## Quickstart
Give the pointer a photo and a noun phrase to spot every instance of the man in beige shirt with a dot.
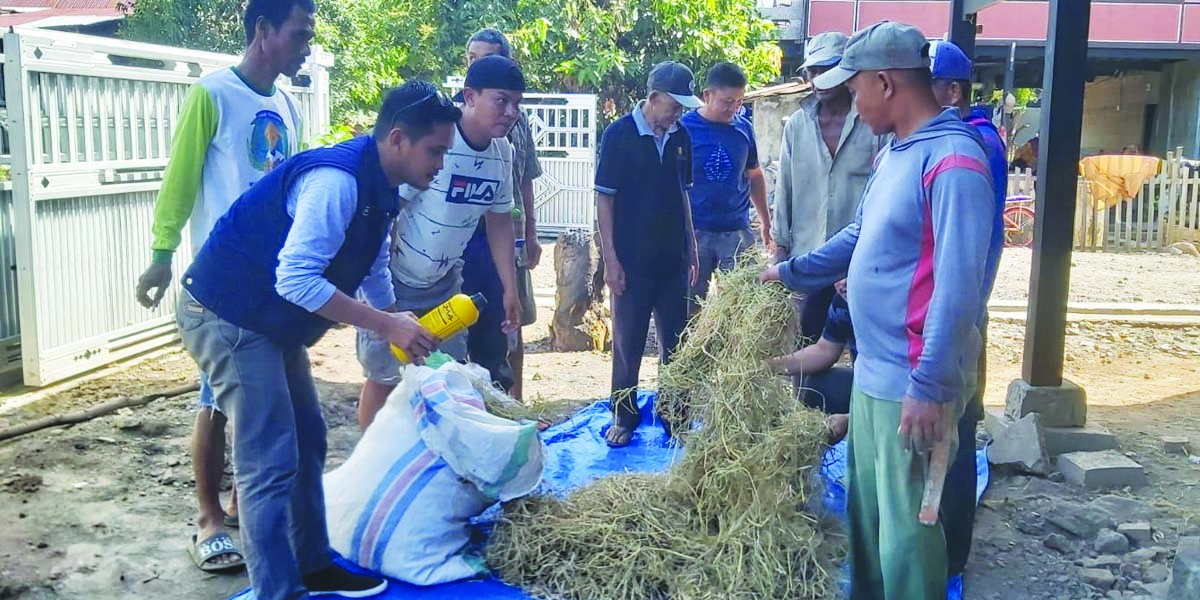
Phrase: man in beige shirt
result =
(824, 162)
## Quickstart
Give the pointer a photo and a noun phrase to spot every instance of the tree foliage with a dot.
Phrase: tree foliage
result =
(600, 46)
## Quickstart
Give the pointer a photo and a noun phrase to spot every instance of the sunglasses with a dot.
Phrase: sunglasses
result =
(442, 102)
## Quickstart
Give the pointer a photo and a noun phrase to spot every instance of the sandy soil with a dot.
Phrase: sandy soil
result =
(104, 509)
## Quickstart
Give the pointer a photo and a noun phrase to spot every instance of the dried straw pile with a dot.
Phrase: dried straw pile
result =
(728, 520)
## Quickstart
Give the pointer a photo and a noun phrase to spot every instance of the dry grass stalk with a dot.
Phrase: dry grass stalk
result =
(728, 521)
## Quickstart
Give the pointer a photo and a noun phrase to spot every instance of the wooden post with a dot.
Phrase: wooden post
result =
(1058, 168)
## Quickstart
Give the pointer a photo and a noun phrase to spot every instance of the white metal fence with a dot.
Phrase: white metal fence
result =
(564, 132)
(89, 124)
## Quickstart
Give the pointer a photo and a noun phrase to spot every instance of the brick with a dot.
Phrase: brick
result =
(1089, 438)
(1061, 406)
(1101, 470)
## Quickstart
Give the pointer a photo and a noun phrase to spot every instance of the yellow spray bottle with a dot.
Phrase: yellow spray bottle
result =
(451, 317)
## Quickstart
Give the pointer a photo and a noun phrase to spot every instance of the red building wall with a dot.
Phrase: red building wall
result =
(1150, 23)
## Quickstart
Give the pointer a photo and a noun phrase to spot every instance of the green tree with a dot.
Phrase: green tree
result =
(600, 46)
(210, 25)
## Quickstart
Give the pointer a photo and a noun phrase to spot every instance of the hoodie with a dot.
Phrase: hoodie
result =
(915, 258)
(998, 163)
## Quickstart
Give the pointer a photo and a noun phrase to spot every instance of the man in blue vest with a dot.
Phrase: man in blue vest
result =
(278, 270)
(951, 71)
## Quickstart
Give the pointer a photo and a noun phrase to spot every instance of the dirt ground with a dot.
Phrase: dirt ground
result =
(104, 509)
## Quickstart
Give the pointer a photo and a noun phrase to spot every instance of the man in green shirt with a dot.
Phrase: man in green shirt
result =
(233, 128)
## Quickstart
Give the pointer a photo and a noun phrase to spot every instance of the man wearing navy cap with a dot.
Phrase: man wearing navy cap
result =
(649, 245)
(952, 87)
(434, 225)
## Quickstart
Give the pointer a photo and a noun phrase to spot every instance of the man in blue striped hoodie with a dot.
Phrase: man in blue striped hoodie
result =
(917, 251)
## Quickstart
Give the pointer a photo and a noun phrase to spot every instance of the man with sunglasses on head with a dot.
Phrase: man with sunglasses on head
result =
(435, 225)
(278, 270)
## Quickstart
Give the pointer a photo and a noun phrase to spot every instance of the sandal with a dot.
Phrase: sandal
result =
(216, 546)
(626, 419)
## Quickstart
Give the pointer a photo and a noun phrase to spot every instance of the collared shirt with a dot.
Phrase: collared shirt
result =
(817, 193)
(648, 182)
(644, 128)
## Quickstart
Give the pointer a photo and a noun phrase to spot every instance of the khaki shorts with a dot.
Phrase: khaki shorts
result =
(375, 354)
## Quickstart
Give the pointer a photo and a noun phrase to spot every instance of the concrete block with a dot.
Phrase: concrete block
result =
(1139, 533)
(1176, 445)
(1101, 470)
(1061, 406)
(1185, 579)
(1089, 438)
(995, 421)
(1021, 446)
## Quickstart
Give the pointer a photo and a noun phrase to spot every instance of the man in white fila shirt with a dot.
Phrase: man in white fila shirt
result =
(235, 126)
(435, 225)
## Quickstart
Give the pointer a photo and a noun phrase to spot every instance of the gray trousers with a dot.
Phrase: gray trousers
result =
(269, 396)
(718, 251)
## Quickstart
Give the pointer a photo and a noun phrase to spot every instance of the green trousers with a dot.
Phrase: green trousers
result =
(892, 556)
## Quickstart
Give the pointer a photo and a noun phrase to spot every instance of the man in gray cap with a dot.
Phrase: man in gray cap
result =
(647, 239)
(915, 260)
(824, 162)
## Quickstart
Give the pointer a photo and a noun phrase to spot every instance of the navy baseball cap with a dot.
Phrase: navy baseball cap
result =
(948, 61)
(676, 80)
(496, 73)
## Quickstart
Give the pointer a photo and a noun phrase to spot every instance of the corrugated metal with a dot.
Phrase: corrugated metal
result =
(10, 319)
(91, 136)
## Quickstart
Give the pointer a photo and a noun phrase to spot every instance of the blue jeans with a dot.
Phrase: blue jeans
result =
(269, 396)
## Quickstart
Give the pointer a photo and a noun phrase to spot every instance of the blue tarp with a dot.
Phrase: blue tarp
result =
(577, 454)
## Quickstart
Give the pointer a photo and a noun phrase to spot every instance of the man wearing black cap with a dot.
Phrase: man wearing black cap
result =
(649, 246)
(435, 225)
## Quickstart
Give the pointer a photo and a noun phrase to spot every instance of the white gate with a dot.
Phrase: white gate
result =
(90, 122)
(564, 132)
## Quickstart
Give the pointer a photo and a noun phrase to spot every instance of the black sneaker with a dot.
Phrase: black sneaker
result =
(336, 581)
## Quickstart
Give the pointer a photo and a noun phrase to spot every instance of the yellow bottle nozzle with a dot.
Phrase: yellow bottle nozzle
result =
(447, 320)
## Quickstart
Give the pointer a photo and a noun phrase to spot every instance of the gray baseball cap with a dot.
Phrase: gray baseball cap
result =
(881, 47)
(824, 49)
(676, 80)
